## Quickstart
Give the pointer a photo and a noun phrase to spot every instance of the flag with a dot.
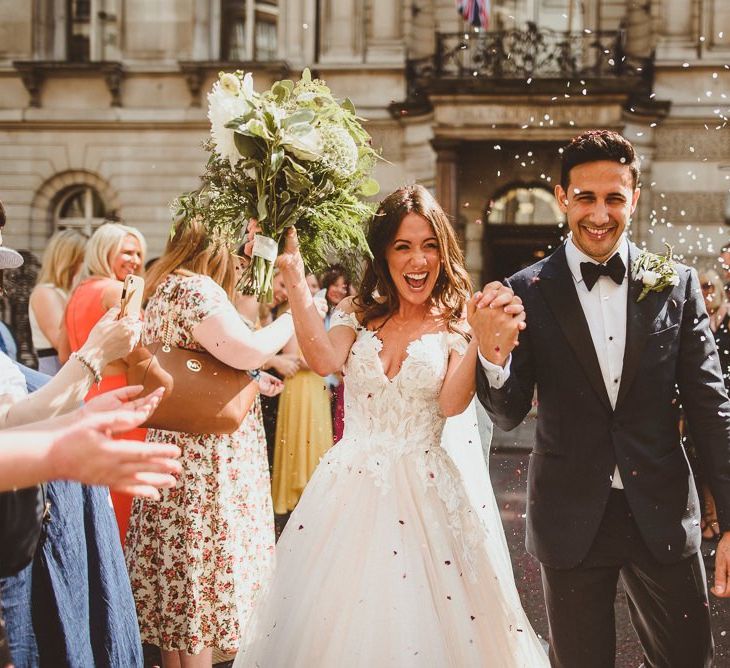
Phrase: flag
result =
(475, 12)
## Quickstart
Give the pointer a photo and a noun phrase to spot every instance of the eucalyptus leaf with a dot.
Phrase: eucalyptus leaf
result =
(299, 129)
(262, 211)
(246, 146)
(271, 123)
(257, 128)
(277, 158)
(295, 181)
(369, 187)
(296, 166)
(349, 106)
(302, 116)
(280, 92)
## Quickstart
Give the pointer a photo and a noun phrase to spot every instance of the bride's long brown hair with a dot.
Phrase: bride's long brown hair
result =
(378, 296)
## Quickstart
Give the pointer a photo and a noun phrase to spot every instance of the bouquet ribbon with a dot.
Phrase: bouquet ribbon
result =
(265, 247)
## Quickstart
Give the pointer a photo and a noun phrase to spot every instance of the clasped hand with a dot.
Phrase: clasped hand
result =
(496, 316)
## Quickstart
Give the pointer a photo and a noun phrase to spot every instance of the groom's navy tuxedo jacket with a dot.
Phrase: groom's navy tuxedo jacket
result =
(670, 357)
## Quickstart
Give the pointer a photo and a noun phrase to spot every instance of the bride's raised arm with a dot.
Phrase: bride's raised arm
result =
(460, 382)
(325, 352)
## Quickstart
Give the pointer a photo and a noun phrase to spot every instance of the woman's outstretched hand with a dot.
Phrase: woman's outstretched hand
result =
(85, 451)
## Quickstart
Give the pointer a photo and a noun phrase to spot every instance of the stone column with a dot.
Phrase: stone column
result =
(297, 30)
(250, 28)
(60, 42)
(201, 48)
(677, 38)
(341, 32)
(385, 34)
(447, 184)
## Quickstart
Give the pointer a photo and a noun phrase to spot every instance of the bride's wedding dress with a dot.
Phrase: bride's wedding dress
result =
(392, 558)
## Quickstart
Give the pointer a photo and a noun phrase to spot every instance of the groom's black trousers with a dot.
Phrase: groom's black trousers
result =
(667, 603)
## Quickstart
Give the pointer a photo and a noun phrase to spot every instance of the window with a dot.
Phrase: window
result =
(525, 206)
(78, 30)
(249, 30)
(80, 208)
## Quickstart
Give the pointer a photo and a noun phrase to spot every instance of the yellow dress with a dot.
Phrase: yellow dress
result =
(303, 435)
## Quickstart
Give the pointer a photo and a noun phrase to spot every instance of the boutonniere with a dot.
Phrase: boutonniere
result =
(656, 272)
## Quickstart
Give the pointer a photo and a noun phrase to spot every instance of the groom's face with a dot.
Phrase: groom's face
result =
(598, 204)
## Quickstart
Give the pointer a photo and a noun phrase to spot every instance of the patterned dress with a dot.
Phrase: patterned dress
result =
(198, 556)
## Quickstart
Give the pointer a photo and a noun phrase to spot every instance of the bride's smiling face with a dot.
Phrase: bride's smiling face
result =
(414, 259)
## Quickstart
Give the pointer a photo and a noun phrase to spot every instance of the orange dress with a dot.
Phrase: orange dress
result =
(83, 311)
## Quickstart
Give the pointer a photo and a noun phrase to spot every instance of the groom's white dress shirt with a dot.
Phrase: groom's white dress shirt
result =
(604, 308)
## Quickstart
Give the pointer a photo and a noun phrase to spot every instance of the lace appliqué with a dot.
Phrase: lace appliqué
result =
(339, 317)
(392, 419)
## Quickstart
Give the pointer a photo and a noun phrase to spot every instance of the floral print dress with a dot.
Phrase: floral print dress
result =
(199, 555)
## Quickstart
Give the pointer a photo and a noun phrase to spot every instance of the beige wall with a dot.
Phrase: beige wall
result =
(148, 150)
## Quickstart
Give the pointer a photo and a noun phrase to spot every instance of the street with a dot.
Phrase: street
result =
(508, 470)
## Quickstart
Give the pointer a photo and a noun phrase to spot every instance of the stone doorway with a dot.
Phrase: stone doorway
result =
(522, 225)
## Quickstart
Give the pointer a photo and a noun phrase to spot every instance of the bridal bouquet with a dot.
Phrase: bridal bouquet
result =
(292, 155)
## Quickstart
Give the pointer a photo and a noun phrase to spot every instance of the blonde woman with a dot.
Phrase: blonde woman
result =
(61, 262)
(113, 252)
(197, 557)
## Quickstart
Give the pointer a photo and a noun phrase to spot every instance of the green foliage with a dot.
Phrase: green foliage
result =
(292, 155)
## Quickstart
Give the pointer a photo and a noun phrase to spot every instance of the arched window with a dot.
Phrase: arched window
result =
(80, 207)
(524, 205)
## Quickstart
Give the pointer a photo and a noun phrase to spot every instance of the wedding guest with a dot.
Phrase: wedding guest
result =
(313, 283)
(303, 432)
(283, 365)
(113, 252)
(718, 310)
(197, 556)
(61, 262)
(253, 425)
(72, 605)
(336, 285)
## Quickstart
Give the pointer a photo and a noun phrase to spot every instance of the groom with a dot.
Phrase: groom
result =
(610, 494)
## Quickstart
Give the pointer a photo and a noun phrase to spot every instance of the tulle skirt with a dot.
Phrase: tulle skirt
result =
(385, 562)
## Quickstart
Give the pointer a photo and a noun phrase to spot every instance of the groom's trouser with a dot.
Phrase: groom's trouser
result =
(667, 603)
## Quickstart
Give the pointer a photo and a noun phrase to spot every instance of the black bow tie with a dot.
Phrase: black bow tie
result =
(614, 268)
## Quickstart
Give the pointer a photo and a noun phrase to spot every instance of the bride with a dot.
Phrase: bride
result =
(386, 561)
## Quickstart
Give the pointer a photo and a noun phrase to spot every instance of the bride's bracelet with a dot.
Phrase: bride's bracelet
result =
(94, 371)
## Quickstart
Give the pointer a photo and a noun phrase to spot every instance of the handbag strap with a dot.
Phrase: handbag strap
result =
(170, 311)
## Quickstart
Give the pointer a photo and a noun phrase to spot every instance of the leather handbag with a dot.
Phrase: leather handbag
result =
(202, 394)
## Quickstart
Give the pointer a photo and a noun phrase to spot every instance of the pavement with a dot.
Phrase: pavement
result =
(508, 470)
(508, 461)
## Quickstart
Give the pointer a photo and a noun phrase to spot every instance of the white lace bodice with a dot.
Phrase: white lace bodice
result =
(402, 411)
(388, 420)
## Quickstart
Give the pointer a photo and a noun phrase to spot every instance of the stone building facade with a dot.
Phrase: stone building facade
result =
(103, 109)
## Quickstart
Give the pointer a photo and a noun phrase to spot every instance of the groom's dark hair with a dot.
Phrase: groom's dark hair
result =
(596, 145)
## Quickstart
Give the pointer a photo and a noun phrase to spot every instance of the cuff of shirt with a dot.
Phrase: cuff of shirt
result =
(496, 375)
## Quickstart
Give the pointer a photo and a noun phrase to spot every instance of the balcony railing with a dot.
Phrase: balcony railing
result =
(527, 55)
(532, 52)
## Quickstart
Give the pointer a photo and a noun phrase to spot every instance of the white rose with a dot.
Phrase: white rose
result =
(649, 278)
(222, 109)
(674, 280)
(230, 83)
(304, 147)
(247, 86)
